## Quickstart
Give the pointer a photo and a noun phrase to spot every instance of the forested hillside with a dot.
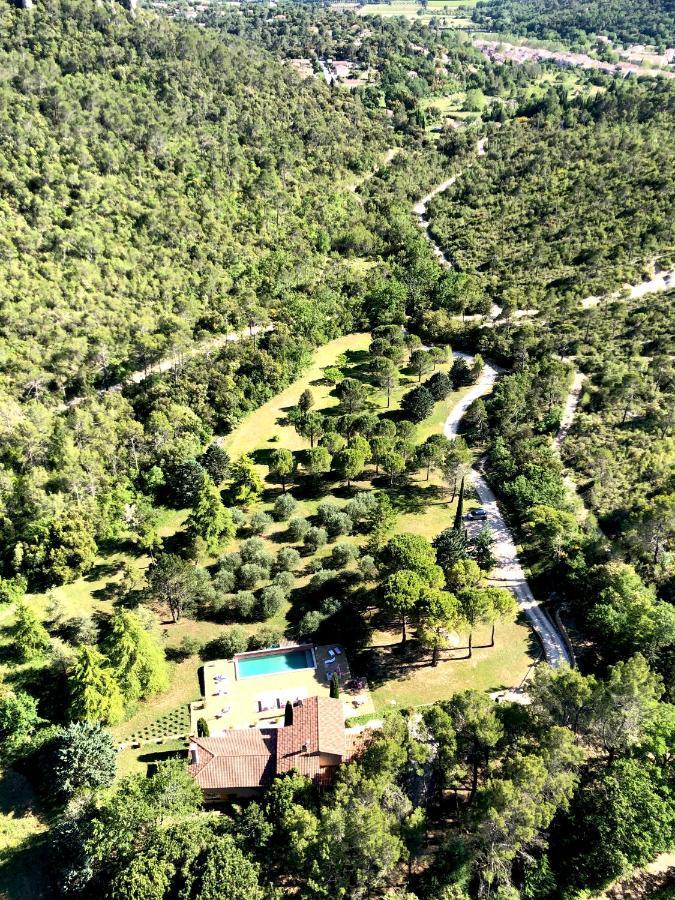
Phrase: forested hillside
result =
(627, 21)
(571, 199)
(156, 183)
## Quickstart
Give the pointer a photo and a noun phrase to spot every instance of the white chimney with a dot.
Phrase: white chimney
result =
(194, 754)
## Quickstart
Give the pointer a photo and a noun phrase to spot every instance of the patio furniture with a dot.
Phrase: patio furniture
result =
(336, 650)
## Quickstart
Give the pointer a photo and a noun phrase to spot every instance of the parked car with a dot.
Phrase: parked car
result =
(478, 513)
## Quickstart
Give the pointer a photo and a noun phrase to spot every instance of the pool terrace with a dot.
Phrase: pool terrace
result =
(258, 701)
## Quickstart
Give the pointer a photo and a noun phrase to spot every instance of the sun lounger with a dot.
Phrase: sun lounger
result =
(336, 651)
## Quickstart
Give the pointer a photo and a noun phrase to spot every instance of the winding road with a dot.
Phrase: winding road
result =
(507, 572)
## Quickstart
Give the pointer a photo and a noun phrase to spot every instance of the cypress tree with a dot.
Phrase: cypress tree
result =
(460, 508)
(288, 713)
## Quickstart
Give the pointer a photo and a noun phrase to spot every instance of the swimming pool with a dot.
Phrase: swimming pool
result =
(274, 662)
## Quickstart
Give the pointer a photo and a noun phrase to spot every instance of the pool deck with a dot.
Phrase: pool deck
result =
(230, 702)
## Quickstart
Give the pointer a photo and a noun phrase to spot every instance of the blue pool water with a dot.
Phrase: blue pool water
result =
(273, 663)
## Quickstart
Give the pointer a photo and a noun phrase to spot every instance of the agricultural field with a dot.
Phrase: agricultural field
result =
(452, 13)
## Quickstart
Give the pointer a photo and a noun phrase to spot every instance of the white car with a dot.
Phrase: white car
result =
(478, 513)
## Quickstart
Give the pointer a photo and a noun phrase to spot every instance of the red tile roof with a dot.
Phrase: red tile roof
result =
(318, 728)
(238, 759)
(252, 757)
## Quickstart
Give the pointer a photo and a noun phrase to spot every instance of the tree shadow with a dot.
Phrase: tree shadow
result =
(109, 592)
(101, 570)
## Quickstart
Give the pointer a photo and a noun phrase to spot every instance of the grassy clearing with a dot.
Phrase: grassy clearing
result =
(141, 760)
(266, 424)
(21, 828)
(400, 681)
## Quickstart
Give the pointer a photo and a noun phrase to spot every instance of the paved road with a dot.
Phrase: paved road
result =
(507, 572)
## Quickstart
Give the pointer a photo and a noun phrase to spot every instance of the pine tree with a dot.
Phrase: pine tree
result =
(335, 686)
(30, 636)
(95, 695)
(209, 519)
(136, 657)
(459, 513)
(288, 713)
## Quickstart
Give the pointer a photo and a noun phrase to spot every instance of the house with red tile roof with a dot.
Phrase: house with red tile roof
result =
(244, 761)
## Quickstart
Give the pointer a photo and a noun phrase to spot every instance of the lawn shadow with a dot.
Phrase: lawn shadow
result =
(412, 497)
(109, 592)
(101, 570)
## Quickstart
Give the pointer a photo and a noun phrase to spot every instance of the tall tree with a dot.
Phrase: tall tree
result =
(136, 657)
(94, 694)
(402, 591)
(209, 520)
(282, 465)
(84, 759)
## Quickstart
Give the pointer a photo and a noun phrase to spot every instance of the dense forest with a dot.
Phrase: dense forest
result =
(625, 21)
(164, 184)
(570, 199)
(156, 189)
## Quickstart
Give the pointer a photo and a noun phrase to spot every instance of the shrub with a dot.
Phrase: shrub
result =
(203, 728)
(259, 522)
(234, 640)
(238, 516)
(334, 519)
(250, 574)
(285, 581)
(284, 507)
(342, 555)
(231, 562)
(224, 581)
(310, 623)
(254, 550)
(361, 507)
(315, 538)
(331, 606)
(367, 568)
(189, 646)
(266, 637)
(335, 686)
(297, 529)
(271, 599)
(244, 604)
(321, 578)
(287, 559)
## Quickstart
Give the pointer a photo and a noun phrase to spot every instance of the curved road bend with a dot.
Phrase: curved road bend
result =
(508, 572)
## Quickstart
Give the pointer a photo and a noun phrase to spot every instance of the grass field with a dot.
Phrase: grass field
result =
(21, 829)
(398, 681)
(450, 10)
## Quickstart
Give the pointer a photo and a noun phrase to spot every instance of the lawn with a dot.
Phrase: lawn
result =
(403, 680)
(21, 828)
